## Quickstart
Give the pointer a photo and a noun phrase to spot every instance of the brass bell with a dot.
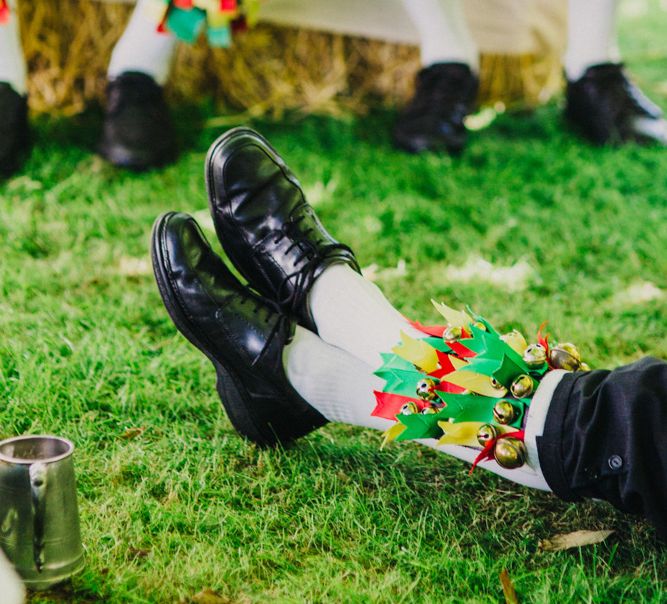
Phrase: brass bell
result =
(480, 325)
(535, 356)
(486, 434)
(451, 334)
(409, 408)
(565, 356)
(496, 384)
(522, 386)
(504, 412)
(429, 410)
(510, 453)
(426, 389)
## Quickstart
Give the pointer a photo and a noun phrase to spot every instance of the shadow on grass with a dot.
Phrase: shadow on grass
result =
(420, 479)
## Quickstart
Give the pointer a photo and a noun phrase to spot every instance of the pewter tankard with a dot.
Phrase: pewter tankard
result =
(39, 519)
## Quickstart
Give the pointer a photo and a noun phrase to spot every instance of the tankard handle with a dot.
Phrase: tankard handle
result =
(38, 496)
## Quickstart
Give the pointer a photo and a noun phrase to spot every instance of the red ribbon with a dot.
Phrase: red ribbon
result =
(543, 340)
(4, 11)
(430, 330)
(389, 405)
(460, 350)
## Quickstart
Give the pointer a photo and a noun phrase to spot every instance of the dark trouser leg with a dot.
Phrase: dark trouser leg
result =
(604, 438)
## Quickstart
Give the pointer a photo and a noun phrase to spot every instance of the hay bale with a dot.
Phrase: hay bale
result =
(270, 69)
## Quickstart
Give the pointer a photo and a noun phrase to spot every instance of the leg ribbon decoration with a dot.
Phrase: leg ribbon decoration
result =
(186, 19)
(466, 384)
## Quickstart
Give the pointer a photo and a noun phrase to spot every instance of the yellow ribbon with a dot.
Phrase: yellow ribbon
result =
(465, 433)
(454, 318)
(393, 433)
(417, 352)
(475, 382)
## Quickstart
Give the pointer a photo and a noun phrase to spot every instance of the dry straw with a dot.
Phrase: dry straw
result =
(270, 69)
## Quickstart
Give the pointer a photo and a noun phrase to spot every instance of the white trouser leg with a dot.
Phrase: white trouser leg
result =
(443, 32)
(142, 48)
(12, 62)
(591, 35)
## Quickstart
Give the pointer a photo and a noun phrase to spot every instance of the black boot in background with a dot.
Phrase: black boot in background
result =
(137, 133)
(606, 107)
(433, 120)
(14, 134)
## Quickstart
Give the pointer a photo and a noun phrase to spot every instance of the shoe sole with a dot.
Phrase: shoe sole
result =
(122, 158)
(233, 395)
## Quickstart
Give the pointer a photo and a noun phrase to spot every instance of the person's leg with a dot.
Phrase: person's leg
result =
(337, 384)
(591, 36)
(602, 103)
(341, 386)
(603, 438)
(277, 381)
(13, 99)
(142, 48)
(444, 35)
(352, 313)
(446, 87)
(12, 62)
(586, 434)
(137, 131)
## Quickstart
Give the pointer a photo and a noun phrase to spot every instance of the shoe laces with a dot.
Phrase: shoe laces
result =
(258, 304)
(292, 287)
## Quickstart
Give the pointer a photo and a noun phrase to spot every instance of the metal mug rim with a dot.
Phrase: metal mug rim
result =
(19, 460)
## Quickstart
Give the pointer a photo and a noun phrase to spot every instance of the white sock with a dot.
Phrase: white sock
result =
(443, 32)
(337, 384)
(591, 36)
(352, 313)
(340, 387)
(142, 48)
(12, 62)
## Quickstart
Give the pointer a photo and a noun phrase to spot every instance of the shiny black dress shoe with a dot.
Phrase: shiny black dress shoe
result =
(606, 107)
(137, 132)
(433, 120)
(265, 224)
(14, 134)
(241, 334)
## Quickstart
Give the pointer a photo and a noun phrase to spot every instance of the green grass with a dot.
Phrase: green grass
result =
(87, 351)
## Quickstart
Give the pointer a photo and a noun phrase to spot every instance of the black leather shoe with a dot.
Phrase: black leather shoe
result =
(14, 134)
(265, 224)
(137, 132)
(606, 107)
(241, 334)
(433, 120)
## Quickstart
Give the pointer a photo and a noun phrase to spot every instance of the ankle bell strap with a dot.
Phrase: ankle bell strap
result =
(466, 384)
